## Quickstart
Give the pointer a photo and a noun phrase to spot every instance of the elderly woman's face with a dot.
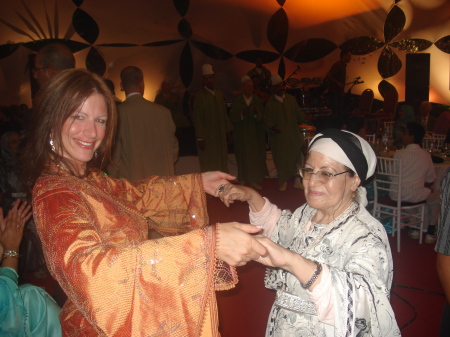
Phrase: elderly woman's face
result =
(337, 192)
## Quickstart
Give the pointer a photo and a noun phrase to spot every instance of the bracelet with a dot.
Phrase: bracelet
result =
(314, 276)
(10, 253)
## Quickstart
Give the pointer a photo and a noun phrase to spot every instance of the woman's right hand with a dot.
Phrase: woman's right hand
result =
(11, 227)
(236, 246)
(233, 192)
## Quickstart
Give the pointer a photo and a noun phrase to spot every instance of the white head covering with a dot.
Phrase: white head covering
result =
(245, 78)
(276, 79)
(348, 149)
(207, 69)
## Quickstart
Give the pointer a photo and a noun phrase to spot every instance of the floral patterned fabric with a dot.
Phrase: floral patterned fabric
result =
(356, 250)
(94, 233)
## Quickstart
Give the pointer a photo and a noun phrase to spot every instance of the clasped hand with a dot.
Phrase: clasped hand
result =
(236, 247)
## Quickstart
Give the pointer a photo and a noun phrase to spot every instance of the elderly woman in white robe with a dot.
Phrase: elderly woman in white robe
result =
(330, 260)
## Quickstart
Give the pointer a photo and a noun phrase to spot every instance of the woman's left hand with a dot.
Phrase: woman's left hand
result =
(213, 180)
(278, 256)
(11, 227)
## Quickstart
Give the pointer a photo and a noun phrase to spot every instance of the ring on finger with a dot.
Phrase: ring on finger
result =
(221, 188)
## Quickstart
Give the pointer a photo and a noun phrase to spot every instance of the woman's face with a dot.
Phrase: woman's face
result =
(334, 195)
(83, 132)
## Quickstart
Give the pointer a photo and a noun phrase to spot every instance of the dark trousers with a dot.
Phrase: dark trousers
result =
(445, 321)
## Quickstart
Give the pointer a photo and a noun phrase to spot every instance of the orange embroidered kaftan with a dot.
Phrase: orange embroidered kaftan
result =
(94, 234)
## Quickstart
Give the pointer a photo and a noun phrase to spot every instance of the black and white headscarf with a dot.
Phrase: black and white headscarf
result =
(348, 149)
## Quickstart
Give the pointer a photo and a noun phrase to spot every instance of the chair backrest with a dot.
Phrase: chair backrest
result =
(365, 101)
(389, 128)
(388, 177)
(371, 138)
(438, 141)
(390, 102)
(427, 143)
(434, 143)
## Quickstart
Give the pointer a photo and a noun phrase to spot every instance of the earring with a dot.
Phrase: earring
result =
(95, 154)
(52, 144)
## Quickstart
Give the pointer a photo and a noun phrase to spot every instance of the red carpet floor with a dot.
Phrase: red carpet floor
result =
(243, 311)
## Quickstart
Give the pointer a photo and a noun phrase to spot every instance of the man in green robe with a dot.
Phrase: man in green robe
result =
(211, 124)
(282, 116)
(249, 135)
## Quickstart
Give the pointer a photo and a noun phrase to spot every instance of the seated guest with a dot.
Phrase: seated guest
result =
(405, 114)
(442, 125)
(424, 117)
(25, 310)
(418, 176)
(330, 260)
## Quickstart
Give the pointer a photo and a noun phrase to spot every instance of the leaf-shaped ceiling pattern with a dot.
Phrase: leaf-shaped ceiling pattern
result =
(310, 50)
(385, 88)
(117, 45)
(95, 62)
(252, 55)
(443, 44)
(281, 2)
(282, 68)
(277, 30)
(181, 6)
(212, 51)
(74, 46)
(412, 45)
(389, 63)
(77, 3)
(362, 45)
(161, 43)
(184, 28)
(186, 65)
(395, 21)
(85, 26)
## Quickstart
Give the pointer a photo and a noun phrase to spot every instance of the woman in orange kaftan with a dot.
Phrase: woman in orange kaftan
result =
(94, 229)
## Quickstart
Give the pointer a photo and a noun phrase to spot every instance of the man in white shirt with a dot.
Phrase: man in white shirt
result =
(418, 176)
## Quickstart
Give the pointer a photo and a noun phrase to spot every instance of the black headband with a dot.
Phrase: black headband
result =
(351, 147)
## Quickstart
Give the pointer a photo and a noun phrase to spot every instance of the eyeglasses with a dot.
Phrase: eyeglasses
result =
(322, 176)
(35, 70)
